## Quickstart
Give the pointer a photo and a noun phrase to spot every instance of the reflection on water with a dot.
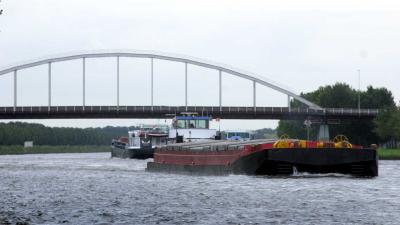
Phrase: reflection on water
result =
(95, 189)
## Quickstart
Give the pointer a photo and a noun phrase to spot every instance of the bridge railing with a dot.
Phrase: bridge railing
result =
(349, 111)
(179, 109)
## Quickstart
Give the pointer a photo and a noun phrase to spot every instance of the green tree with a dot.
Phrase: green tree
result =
(388, 125)
(267, 133)
(15, 133)
(341, 95)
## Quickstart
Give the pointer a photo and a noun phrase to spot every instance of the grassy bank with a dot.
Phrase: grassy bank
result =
(390, 154)
(16, 149)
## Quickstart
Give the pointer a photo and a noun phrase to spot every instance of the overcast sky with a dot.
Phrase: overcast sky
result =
(300, 44)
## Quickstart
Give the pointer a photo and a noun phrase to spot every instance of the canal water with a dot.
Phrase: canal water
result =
(95, 189)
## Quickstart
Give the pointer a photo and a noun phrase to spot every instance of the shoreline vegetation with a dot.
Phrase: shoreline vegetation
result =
(44, 149)
(389, 154)
(384, 154)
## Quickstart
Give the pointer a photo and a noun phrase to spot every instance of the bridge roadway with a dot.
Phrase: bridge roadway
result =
(154, 112)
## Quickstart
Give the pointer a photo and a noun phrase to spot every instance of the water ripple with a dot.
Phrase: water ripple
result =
(95, 189)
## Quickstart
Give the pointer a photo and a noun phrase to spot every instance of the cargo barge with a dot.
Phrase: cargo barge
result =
(266, 157)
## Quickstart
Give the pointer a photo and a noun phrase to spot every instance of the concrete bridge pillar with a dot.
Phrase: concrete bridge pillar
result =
(323, 134)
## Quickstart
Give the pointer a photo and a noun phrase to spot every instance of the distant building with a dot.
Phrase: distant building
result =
(28, 144)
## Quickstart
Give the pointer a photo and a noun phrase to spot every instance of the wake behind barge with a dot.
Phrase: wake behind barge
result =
(265, 157)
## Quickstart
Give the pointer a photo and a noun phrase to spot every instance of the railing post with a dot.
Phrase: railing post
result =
(49, 88)
(15, 90)
(288, 102)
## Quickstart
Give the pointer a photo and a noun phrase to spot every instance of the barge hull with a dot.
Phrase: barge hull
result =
(132, 153)
(356, 162)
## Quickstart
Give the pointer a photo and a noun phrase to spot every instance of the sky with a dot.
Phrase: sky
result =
(300, 44)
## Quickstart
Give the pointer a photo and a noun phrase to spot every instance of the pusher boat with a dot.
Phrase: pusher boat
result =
(140, 144)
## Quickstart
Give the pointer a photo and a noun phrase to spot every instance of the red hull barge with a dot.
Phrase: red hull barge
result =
(264, 157)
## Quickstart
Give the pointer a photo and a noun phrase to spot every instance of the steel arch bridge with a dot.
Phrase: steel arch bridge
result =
(152, 111)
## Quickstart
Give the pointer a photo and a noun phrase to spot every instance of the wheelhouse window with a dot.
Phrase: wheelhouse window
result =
(201, 124)
(229, 134)
(181, 124)
(244, 135)
(191, 123)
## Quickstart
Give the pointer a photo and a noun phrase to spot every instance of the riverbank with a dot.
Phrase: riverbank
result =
(43, 149)
(389, 154)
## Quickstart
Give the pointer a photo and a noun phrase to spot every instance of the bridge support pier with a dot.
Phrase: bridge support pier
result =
(323, 133)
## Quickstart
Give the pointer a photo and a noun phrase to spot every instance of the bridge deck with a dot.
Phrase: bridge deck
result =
(148, 112)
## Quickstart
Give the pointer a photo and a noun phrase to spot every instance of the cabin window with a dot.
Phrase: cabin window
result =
(202, 124)
(245, 135)
(181, 124)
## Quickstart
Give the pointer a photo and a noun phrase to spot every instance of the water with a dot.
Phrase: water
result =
(94, 189)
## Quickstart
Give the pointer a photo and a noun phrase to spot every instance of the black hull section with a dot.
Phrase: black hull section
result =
(356, 162)
(132, 153)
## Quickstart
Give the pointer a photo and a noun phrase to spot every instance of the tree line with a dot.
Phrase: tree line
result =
(340, 95)
(16, 133)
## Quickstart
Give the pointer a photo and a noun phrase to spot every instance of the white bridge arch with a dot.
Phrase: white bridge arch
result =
(151, 55)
